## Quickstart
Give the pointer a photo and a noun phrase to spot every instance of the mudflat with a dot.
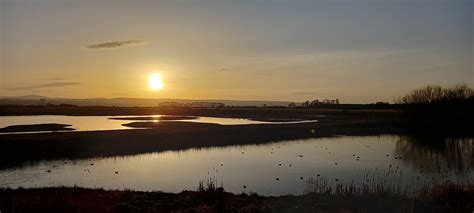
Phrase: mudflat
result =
(36, 128)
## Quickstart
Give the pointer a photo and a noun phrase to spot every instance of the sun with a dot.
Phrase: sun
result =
(155, 82)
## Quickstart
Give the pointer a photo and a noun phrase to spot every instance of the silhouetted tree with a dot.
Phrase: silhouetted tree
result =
(440, 109)
(438, 94)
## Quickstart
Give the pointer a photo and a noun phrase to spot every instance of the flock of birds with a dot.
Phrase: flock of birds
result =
(318, 175)
(271, 152)
(74, 163)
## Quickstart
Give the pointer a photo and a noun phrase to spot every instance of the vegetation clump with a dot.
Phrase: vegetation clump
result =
(436, 94)
(439, 109)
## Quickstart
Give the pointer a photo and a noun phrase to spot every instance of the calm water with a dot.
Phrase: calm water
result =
(93, 123)
(257, 167)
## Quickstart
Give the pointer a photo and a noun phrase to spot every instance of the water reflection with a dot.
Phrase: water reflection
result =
(436, 154)
(96, 123)
(272, 169)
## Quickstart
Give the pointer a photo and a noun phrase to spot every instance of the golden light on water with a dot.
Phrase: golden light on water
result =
(155, 82)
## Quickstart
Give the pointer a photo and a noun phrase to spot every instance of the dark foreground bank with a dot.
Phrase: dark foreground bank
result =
(445, 198)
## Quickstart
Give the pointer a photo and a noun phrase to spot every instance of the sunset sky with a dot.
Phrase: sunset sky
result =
(356, 50)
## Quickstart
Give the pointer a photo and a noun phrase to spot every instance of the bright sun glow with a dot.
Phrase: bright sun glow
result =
(155, 82)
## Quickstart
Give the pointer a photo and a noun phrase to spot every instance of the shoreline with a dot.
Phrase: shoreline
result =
(440, 198)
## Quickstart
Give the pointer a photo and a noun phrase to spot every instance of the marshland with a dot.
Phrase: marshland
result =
(236, 106)
(347, 153)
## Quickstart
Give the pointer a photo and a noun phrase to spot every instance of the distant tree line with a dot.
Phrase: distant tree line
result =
(318, 102)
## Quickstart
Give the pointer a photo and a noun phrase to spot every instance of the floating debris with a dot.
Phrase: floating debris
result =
(301, 178)
(245, 186)
(277, 179)
(116, 172)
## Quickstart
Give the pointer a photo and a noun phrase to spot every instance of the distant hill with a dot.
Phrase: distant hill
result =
(124, 102)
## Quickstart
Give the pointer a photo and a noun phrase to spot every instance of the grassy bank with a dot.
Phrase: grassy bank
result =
(440, 198)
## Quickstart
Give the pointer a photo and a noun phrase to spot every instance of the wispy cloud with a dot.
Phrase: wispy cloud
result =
(114, 44)
(306, 93)
(48, 85)
(52, 79)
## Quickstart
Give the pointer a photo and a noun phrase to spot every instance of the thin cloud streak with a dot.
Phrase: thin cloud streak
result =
(114, 44)
(52, 79)
(48, 85)
(306, 93)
